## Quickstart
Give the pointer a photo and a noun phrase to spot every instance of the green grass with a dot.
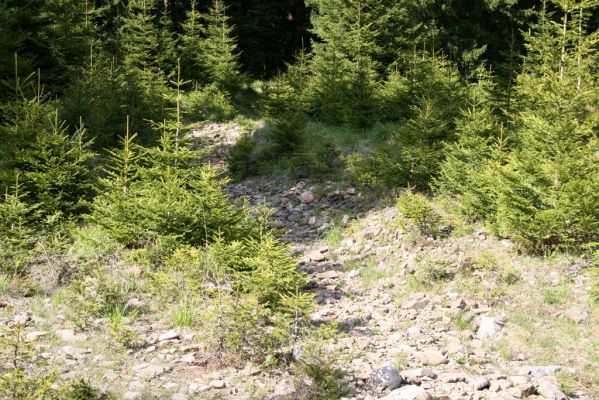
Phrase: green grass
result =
(557, 295)
(461, 321)
(371, 272)
(333, 237)
(5, 284)
(186, 313)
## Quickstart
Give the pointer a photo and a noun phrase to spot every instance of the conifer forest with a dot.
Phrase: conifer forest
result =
(299, 199)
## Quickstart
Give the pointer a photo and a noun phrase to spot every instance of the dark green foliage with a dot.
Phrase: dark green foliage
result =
(220, 58)
(344, 81)
(378, 170)
(150, 193)
(190, 41)
(208, 103)
(102, 94)
(241, 156)
(55, 167)
(466, 172)
(140, 44)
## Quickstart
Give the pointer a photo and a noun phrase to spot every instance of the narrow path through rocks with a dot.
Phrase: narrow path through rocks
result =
(397, 343)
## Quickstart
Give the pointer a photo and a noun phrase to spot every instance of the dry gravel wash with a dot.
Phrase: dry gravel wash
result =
(400, 341)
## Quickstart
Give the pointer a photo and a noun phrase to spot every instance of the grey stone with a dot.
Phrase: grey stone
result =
(409, 392)
(480, 383)
(387, 377)
(416, 375)
(169, 335)
(488, 328)
(433, 358)
(577, 313)
(549, 391)
(306, 197)
(218, 384)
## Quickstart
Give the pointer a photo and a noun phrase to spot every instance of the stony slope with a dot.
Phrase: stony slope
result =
(464, 317)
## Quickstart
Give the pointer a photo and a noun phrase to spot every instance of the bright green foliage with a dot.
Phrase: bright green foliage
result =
(324, 376)
(219, 51)
(344, 80)
(161, 192)
(547, 191)
(420, 211)
(466, 172)
(378, 170)
(55, 167)
(166, 55)
(99, 295)
(287, 107)
(57, 172)
(83, 390)
(17, 382)
(16, 232)
(395, 97)
(431, 270)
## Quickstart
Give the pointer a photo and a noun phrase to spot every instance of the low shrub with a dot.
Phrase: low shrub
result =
(431, 270)
(208, 103)
(419, 211)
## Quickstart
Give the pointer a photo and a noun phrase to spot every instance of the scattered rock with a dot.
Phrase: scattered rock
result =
(306, 197)
(550, 391)
(136, 304)
(415, 304)
(169, 335)
(488, 328)
(542, 370)
(33, 336)
(218, 384)
(433, 358)
(329, 275)
(74, 352)
(66, 335)
(318, 255)
(148, 371)
(387, 378)
(480, 383)
(452, 377)
(577, 313)
(188, 358)
(410, 392)
(416, 375)
(21, 318)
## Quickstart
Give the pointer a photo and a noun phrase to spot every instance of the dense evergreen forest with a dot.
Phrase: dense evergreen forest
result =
(465, 113)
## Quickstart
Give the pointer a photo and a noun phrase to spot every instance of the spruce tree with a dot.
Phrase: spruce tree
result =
(139, 41)
(167, 43)
(345, 80)
(437, 91)
(466, 172)
(547, 191)
(219, 56)
(190, 45)
(17, 231)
